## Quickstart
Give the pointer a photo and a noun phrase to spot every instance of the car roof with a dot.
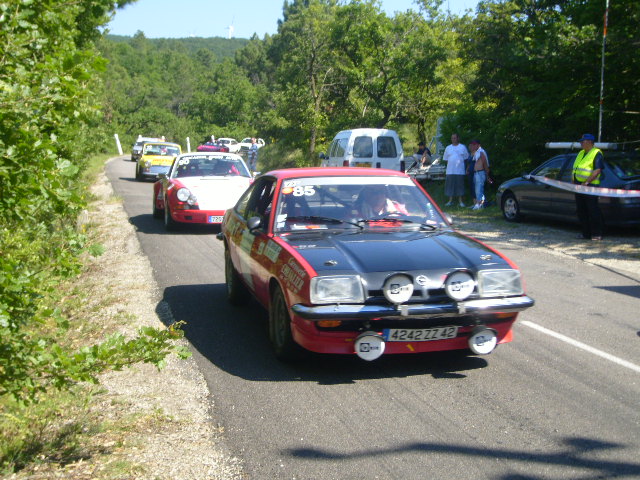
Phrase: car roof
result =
(334, 172)
(169, 144)
(366, 131)
(223, 155)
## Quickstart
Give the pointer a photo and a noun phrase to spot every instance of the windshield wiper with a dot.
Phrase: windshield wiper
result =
(396, 219)
(321, 219)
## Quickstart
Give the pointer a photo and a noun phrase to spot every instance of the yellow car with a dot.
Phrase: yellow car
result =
(156, 158)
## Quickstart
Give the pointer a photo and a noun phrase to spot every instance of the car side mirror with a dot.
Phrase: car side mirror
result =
(253, 223)
(162, 176)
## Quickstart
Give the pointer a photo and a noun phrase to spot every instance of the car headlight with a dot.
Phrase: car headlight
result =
(459, 285)
(499, 283)
(185, 195)
(337, 289)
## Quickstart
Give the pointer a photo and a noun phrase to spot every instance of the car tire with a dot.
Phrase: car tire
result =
(170, 224)
(138, 174)
(284, 346)
(511, 208)
(237, 292)
(157, 213)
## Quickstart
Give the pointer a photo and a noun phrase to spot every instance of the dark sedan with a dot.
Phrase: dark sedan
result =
(362, 261)
(528, 196)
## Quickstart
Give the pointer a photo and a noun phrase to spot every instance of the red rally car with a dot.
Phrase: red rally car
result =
(362, 261)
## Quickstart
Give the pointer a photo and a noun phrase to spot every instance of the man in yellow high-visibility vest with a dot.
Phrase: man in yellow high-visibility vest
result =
(586, 171)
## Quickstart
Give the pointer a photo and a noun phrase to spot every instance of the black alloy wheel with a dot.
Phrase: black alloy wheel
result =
(170, 224)
(237, 292)
(157, 213)
(284, 346)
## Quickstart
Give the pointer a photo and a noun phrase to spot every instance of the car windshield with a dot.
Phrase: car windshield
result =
(319, 203)
(202, 166)
(154, 149)
(624, 164)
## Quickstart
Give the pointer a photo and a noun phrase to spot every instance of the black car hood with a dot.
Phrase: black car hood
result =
(395, 251)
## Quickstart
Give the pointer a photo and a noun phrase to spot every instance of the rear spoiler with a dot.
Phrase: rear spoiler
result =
(576, 145)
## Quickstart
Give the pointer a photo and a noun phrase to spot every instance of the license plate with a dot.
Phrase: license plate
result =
(215, 219)
(419, 334)
(363, 164)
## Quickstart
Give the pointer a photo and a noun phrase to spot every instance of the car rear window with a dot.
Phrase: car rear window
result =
(387, 147)
(363, 147)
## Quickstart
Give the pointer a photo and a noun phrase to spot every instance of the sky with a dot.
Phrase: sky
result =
(215, 18)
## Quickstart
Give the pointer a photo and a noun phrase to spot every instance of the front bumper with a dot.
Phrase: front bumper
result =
(154, 170)
(208, 217)
(452, 309)
(498, 314)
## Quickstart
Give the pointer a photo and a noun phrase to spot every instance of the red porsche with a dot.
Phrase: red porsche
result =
(199, 187)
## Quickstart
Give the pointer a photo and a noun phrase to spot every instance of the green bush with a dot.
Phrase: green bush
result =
(50, 123)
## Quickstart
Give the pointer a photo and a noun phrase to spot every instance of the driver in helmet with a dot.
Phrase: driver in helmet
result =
(372, 201)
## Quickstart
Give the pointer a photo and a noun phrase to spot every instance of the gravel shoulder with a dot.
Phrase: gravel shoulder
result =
(176, 437)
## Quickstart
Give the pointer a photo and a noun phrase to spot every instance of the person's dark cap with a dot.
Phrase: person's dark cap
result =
(474, 141)
(587, 136)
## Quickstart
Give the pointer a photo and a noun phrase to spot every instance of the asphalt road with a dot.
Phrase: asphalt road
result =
(562, 401)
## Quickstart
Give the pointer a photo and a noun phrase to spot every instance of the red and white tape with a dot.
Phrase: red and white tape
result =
(587, 190)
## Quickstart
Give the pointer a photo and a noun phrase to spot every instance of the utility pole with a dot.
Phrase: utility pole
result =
(604, 42)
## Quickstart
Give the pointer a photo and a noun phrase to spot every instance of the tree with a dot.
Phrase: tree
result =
(305, 70)
(538, 75)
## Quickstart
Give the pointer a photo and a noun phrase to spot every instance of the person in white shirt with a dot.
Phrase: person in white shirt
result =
(455, 155)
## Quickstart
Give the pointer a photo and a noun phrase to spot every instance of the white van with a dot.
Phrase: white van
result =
(365, 147)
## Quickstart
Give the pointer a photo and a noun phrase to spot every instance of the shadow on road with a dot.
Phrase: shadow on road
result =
(578, 454)
(149, 225)
(629, 290)
(236, 340)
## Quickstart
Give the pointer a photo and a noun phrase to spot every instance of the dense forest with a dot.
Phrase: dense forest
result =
(515, 74)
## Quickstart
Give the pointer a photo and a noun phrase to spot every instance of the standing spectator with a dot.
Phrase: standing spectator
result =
(468, 170)
(455, 155)
(586, 171)
(480, 165)
(253, 155)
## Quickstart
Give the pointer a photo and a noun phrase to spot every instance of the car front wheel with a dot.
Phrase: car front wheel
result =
(169, 223)
(511, 208)
(157, 213)
(280, 328)
(237, 293)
